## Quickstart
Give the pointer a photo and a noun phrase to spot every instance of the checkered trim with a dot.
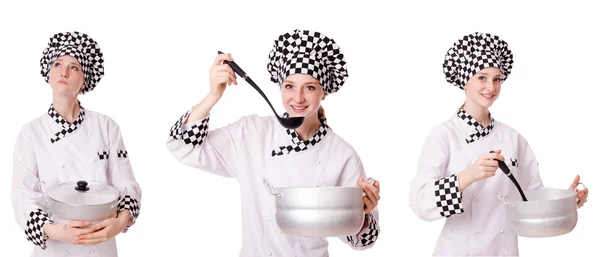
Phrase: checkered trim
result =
(121, 154)
(480, 131)
(131, 204)
(103, 155)
(67, 127)
(195, 135)
(448, 197)
(366, 238)
(514, 162)
(473, 53)
(311, 53)
(300, 145)
(35, 228)
(81, 47)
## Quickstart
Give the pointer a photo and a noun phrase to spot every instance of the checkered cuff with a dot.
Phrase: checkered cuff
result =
(448, 197)
(131, 204)
(367, 236)
(194, 135)
(35, 228)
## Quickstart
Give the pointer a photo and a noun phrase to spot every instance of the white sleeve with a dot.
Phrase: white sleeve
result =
(121, 174)
(214, 151)
(433, 194)
(366, 238)
(529, 175)
(28, 201)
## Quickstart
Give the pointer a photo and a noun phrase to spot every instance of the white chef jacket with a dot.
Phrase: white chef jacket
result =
(94, 151)
(475, 222)
(253, 148)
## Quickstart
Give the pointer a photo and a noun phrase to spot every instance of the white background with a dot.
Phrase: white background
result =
(157, 59)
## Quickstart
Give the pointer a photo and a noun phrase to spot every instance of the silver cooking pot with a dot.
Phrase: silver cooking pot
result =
(81, 200)
(318, 211)
(547, 212)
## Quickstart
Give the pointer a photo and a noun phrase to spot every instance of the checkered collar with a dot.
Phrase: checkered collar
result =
(67, 127)
(298, 145)
(478, 130)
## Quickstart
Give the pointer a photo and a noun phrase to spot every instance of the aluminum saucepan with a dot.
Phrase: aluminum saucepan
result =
(547, 212)
(81, 200)
(318, 211)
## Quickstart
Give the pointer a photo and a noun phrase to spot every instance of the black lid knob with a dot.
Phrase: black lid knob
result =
(82, 186)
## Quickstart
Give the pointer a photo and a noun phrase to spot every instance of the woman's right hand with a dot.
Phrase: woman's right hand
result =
(221, 75)
(484, 167)
(67, 232)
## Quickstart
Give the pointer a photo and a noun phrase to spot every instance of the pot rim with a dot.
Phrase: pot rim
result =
(109, 187)
(324, 187)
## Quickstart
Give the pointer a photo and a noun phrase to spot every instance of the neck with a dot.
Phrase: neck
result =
(478, 112)
(68, 108)
(309, 127)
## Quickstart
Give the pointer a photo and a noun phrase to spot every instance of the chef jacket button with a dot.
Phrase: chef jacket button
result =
(318, 162)
(66, 253)
(268, 218)
(476, 232)
(92, 251)
(501, 231)
(269, 253)
(476, 198)
(89, 134)
(62, 166)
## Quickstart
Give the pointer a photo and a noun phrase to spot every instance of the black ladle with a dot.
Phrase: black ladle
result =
(286, 122)
(506, 171)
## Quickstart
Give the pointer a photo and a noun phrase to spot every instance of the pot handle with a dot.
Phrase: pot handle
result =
(504, 201)
(270, 188)
(43, 189)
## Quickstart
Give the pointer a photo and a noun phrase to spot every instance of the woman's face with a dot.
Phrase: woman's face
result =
(301, 95)
(66, 76)
(484, 87)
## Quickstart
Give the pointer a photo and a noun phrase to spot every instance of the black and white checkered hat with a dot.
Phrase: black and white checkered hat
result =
(311, 53)
(81, 47)
(473, 53)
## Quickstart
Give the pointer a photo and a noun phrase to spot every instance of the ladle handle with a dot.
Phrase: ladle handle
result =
(502, 165)
(237, 69)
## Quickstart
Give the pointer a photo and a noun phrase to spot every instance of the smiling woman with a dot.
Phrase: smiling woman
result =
(307, 66)
(70, 146)
(455, 177)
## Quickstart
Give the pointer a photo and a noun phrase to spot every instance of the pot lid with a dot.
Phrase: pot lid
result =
(83, 193)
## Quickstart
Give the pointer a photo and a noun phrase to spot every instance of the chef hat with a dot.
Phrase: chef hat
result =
(311, 53)
(81, 47)
(473, 53)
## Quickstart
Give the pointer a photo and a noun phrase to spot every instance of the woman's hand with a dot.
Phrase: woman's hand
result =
(484, 167)
(221, 75)
(581, 194)
(67, 232)
(371, 190)
(106, 229)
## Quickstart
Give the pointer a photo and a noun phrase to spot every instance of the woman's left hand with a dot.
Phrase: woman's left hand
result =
(581, 194)
(371, 190)
(106, 229)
